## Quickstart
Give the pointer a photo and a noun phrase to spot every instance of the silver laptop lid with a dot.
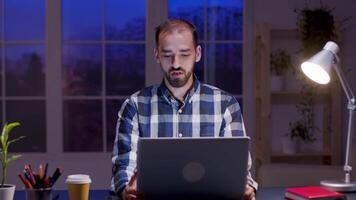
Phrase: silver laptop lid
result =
(192, 168)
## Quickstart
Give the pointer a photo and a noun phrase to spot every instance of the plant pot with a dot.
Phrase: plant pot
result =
(289, 146)
(277, 83)
(7, 192)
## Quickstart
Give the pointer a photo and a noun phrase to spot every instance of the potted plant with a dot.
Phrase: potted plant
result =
(280, 63)
(316, 27)
(7, 190)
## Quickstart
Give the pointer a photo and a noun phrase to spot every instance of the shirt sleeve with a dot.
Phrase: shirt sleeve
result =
(125, 146)
(233, 125)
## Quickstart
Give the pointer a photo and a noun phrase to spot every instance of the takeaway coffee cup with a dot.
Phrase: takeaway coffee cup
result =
(78, 186)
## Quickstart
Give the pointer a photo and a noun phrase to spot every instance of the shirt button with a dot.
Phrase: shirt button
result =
(180, 111)
(180, 135)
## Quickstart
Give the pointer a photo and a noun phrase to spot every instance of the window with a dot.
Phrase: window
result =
(23, 66)
(103, 63)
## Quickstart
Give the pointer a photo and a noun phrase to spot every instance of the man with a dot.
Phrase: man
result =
(180, 106)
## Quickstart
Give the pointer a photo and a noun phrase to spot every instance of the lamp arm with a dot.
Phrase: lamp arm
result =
(345, 86)
(351, 107)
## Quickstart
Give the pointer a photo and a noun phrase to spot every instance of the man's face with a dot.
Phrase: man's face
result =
(176, 54)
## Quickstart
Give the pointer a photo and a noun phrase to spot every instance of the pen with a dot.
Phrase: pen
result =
(30, 174)
(40, 171)
(25, 182)
(55, 176)
(45, 170)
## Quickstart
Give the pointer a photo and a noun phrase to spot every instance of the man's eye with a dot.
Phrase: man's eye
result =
(185, 55)
(167, 55)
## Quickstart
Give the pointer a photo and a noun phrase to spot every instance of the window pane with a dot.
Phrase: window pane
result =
(225, 67)
(112, 110)
(81, 19)
(82, 126)
(193, 11)
(32, 116)
(25, 20)
(1, 16)
(225, 19)
(125, 72)
(82, 70)
(24, 69)
(125, 20)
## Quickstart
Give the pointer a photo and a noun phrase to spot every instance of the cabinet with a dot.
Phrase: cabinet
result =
(266, 101)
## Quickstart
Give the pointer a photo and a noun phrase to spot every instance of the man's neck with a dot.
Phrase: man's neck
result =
(180, 93)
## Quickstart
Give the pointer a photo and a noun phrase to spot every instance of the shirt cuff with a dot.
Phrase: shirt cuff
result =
(252, 183)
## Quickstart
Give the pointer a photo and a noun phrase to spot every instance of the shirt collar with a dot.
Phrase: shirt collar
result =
(166, 94)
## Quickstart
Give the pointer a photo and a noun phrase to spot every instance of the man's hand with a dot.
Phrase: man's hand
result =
(130, 191)
(249, 193)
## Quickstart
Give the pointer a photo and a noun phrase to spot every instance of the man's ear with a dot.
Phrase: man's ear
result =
(156, 55)
(198, 53)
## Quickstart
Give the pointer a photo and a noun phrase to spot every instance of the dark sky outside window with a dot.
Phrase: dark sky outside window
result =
(85, 135)
(25, 73)
(225, 63)
(125, 72)
(1, 17)
(125, 20)
(224, 23)
(82, 69)
(123, 23)
(82, 19)
(25, 20)
(32, 118)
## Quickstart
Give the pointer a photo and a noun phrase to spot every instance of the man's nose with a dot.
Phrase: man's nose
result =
(175, 62)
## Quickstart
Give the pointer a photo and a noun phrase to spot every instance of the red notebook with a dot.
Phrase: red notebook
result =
(314, 193)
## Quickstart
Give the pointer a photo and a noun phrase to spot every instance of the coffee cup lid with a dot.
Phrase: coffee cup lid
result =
(78, 179)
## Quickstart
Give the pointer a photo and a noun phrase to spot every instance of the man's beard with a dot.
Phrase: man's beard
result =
(178, 81)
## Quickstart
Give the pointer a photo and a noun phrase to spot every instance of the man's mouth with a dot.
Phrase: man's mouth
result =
(176, 73)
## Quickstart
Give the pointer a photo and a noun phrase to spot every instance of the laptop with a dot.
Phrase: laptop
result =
(192, 168)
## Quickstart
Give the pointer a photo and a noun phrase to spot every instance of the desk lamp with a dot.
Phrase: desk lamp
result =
(318, 68)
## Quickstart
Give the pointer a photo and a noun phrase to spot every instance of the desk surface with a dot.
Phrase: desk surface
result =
(275, 193)
(63, 195)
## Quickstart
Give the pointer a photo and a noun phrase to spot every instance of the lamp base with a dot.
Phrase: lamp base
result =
(339, 185)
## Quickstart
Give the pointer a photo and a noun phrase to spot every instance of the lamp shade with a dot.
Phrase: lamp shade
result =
(318, 67)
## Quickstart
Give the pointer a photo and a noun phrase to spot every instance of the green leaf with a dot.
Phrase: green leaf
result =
(6, 130)
(10, 126)
(13, 157)
(16, 139)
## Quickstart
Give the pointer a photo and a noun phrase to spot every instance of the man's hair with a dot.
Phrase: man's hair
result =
(176, 25)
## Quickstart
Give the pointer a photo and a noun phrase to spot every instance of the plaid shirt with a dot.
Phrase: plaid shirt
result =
(153, 112)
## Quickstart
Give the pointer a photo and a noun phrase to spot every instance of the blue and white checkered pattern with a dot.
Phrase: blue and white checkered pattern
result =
(153, 112)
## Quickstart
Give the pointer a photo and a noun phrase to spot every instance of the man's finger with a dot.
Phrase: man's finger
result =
(133, 178)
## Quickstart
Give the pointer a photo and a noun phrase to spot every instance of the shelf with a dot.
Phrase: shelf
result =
(302, 158)
(305, 154)
(327, 100)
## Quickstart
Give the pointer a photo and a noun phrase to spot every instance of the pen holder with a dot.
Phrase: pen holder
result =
(38, 194)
